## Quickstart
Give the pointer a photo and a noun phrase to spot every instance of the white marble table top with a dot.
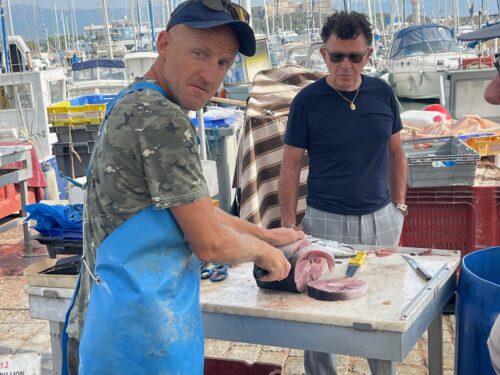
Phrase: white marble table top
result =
(392, 284)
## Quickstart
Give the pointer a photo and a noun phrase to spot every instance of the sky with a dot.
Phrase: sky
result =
(359, 5)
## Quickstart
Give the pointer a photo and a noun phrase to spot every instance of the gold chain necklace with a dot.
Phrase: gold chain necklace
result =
(352, 105)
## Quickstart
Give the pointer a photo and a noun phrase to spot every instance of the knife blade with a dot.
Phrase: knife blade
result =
(420, 271)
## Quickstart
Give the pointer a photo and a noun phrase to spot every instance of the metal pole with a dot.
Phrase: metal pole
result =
(11, 24)
(57, 29)
(64, 33)
(169, 10)
(4, 36)
(201, 134)
(266, 18)
(132, 13)
(106, 26)
(139, 22)
(382, 23)
(163, 14)
(75, 27)
(248, 6)
(152, 25)
(373, 23)
(36, 28)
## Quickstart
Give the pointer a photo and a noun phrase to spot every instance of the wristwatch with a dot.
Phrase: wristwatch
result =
(403, 208)
(293, 226)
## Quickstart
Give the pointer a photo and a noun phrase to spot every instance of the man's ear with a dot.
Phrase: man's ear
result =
(162, 42)
(369, 52)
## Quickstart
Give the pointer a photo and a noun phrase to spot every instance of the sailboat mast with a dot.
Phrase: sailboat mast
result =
(382, 23)
(152, 25)
(266, 16)
(64, 32)
(58, 43)
(444, 12)
(132, 14)
(4, 38)
(106, 29)
(139, 22)
(163, 14)
(370, 16)
(11, 24)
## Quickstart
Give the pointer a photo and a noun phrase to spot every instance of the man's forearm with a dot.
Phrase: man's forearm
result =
(398, 177)
(239, 225)
(288, 195)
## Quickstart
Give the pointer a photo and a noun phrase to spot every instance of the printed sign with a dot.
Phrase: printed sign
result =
(21, 364)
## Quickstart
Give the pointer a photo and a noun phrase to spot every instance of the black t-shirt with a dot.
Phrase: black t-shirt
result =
(348, 150)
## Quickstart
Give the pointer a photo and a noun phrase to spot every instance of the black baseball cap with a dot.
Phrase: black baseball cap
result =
(205, 14)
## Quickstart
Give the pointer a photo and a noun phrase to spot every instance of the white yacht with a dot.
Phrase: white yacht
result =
(97, 77)
(419, 55)
(138, 63)
(25, 93)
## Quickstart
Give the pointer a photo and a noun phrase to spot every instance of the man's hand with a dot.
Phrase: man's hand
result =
(283, 236)
(275, 263)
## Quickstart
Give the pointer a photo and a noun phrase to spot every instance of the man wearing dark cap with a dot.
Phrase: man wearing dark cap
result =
(148, 217)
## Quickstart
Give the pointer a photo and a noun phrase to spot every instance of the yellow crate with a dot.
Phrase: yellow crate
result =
(64, 110)
(489, 145)
(77, 121)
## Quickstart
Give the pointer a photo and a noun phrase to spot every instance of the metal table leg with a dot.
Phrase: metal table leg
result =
(23, 187)
(381, 367)
(435, 346)
(56, 329)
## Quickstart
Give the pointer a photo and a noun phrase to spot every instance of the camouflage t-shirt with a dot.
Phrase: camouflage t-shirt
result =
(147, 155)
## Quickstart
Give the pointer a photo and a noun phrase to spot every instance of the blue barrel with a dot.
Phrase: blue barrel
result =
(478, 305)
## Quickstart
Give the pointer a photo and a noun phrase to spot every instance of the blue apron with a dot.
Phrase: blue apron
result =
(144, 314)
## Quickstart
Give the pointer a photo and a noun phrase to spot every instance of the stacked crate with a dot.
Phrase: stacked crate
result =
(76, 124)
(445, 209)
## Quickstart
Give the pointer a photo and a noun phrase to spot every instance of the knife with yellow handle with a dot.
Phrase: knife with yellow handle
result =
(355, 263)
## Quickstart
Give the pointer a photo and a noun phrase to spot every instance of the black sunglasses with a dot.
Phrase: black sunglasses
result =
(497, 62)
(354, 57)
(237, 11)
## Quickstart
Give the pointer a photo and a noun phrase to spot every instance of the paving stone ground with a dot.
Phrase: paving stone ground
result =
(20, 334)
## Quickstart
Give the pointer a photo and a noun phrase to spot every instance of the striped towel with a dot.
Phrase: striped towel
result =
(261, 146)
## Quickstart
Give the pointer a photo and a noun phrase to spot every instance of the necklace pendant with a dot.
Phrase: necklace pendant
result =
(353, 106)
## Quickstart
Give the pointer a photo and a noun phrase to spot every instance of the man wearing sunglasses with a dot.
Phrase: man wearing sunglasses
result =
(349, 124)
(149, 218)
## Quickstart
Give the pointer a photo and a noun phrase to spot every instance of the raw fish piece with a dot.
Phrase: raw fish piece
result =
(337, 290)
(308, 261)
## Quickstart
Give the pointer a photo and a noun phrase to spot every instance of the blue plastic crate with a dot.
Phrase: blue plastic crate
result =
(91, 99)
(221, 123)
(66, 234)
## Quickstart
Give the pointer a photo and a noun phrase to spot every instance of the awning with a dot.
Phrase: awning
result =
(489, 32)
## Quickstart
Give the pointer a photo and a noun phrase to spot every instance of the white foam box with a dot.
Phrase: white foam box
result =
(35, 278)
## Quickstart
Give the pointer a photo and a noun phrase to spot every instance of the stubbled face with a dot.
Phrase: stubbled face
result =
(345, 75)
(192, 63)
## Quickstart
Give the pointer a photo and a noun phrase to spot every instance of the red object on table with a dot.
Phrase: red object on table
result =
(10, 198)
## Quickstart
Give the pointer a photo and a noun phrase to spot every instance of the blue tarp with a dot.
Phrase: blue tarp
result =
(98, 63)
(56, 220)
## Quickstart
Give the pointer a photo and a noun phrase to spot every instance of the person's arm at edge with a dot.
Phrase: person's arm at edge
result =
(397, 169)
(213, 241)
(492, 91)
(275, 237)
(288, 190)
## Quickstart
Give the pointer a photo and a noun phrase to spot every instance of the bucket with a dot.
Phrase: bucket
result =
(478, 305)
